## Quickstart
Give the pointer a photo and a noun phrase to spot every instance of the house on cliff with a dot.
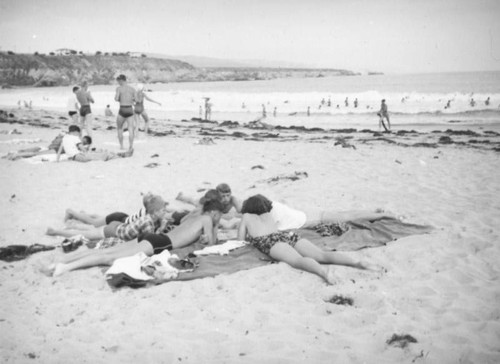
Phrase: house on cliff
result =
(65, 52)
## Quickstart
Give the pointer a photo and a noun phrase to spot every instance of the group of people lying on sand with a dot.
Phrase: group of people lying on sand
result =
(72, 146)
(263, 223)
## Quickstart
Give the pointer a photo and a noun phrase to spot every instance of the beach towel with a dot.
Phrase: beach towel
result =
(356, 235)
(39, 159)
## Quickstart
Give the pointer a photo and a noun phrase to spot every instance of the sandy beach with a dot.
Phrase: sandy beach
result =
(441, 288)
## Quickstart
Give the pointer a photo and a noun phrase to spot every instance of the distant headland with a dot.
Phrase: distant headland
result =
(67, 67)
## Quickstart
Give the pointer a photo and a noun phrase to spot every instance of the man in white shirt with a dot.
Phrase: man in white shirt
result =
(70, 142)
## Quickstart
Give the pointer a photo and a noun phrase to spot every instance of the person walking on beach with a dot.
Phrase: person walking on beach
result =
(85, 99)
(259, 228)
(125, 95)
(72, 105)
(108, 113)
(140, 96)
(383, 113)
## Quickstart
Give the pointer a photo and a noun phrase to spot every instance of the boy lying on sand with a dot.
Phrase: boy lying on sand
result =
(196, 228)
(82, 220)
(127, 230)
(202, 228)
(260, 229)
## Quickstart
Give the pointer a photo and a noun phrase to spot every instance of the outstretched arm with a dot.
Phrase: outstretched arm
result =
(209, 232)
(242, 229)
(59, 151)
(150, 99)
(237, 204)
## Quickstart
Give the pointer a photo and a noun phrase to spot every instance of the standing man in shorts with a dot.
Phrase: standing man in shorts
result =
(85, 99)
(125, 95)
(72, 105)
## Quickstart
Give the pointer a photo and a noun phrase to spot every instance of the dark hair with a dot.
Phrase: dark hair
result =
(213, 205)
(210, 195)
(121, 77)
(223, 188)
(87, 140)
(76, 88)
(73, 128)
(257, 205)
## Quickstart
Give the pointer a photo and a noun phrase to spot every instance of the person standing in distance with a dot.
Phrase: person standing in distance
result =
(85, 99)
(383, 113)
(125, 95)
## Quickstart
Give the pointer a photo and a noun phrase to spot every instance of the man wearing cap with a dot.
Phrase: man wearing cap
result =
(125, 95)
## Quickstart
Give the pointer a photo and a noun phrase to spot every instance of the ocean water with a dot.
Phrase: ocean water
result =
(413, 100)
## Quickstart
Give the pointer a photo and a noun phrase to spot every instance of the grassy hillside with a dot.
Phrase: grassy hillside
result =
(46, 70)
(51, 70)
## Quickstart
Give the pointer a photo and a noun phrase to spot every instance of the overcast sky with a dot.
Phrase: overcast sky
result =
(378, 35)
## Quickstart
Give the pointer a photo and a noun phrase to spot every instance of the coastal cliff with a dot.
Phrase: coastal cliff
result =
(41, 70)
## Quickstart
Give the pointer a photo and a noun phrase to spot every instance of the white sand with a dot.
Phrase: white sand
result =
(442, 288)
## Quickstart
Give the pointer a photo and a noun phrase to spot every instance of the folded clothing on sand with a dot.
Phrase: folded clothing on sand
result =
(130, 271)
(221, 249)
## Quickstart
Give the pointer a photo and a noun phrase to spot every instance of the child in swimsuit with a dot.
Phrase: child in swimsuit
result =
(260, 229)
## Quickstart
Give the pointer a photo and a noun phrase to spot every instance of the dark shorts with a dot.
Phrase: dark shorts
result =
(116, 216)
(85, 110)
(71, 113)
(126, 111)
(139, 108)
(158, 242)
(177, 216)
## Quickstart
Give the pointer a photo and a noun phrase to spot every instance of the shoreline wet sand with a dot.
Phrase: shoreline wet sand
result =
(440, 289)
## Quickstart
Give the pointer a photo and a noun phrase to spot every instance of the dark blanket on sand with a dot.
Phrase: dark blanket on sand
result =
(12, 253)
(360, 234)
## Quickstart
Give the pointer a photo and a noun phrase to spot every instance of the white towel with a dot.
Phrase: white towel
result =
(222, 249)
(139, 266)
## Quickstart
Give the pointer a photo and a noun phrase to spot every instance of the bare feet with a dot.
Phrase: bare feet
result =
(331, 278)
(50, 232)
(48, 270)
(68, 215)
(59, 269)
(369, 266)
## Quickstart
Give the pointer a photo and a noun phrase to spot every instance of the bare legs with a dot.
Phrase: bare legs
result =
(102, 257)
(92, 234)
(187, 199)
(86, 123)
(86, 218)
(146, 122)
(306, 256)
(120, 121)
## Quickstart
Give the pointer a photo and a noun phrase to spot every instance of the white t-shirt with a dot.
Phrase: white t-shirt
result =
(71, 103)
(70, 145)
(287, 218)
